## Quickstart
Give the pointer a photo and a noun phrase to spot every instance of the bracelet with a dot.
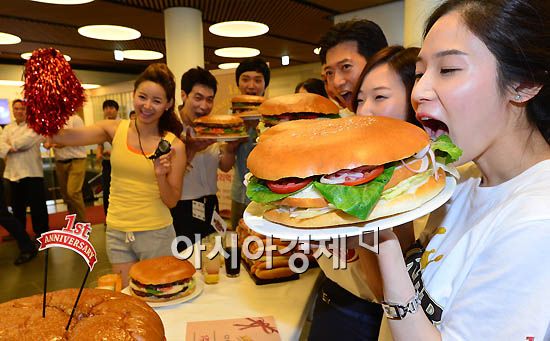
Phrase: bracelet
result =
(395, 311)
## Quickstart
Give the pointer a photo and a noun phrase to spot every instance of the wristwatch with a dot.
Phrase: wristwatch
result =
(395, 311)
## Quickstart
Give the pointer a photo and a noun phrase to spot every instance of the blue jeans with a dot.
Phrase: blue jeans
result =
(340, 315)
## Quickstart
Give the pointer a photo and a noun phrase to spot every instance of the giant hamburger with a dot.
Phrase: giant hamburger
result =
(296, 107)
(322, 173)
(162, 279)
(99, 315)
(219, 126)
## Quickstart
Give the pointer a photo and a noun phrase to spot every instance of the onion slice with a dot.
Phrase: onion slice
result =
(434, 163)
(422, 152)
(423, 166)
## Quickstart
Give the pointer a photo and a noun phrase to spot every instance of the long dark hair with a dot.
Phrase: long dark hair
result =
(517, 33)
(160, 74)
(402, 61)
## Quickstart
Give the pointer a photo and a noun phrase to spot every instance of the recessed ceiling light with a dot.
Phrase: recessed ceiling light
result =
(10, 82)
(109, 32)
(226, 66)
(317, 50)
(285, 60)
(64, 2)
(119, 55)
(239, 29)
(27, 56)
(142, 54)
(90, 86)
(8, 39)
(237, 52)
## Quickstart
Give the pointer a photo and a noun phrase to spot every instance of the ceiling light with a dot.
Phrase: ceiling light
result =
(27, 56)
(119, 55)
(238, 29)
(90, 86)
(64, 2)
(11, 83)
(8, 39)
(285, 60)
(142, 54)
(237, 52)
(317, 50)
(109, 32)
(226, 66)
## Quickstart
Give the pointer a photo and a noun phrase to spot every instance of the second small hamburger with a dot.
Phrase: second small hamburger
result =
(162, 279)
(219, 126)
(296, 107)
(242, 103)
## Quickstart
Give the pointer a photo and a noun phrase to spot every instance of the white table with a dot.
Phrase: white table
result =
(289, 302)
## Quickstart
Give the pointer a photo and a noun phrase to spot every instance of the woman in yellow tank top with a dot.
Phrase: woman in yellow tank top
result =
(139, 224)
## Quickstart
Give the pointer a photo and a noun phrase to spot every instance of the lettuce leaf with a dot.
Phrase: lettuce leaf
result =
(358, 201)
(259, 192)
(406, 185)
(445, 150)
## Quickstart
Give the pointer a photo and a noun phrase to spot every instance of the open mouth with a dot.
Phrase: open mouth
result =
(434, 128)
(346, 96)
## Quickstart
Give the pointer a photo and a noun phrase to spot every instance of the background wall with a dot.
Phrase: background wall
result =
(388, 16)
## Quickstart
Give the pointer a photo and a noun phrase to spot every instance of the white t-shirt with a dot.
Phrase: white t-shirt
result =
(485, 274)
(72, 152)
(202, 177)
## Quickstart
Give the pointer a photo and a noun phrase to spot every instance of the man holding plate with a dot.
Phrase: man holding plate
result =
(198, 200)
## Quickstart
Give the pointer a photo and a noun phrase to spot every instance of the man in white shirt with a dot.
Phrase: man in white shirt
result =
(70, 168)
(198, 201)
(20, 145)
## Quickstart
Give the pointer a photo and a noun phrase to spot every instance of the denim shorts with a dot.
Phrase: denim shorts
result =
(126, 247)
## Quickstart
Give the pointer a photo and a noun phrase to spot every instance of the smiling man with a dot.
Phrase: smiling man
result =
(198, 199)
(345, 49)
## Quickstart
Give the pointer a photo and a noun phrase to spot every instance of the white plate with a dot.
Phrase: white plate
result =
(256, 222)
(221, 138)
(199, 286)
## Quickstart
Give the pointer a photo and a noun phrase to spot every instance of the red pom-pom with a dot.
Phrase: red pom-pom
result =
(52, 91)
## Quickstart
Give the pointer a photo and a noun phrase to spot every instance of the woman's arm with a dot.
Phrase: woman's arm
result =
(398, 288)
(169, 170)
(102, 131)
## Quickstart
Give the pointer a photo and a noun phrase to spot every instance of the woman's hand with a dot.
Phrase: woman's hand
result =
(163, 165)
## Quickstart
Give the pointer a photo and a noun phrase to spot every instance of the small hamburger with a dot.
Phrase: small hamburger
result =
(344, 171)
(219, 126)
(296, 107)
(162, 279)
(244, 103)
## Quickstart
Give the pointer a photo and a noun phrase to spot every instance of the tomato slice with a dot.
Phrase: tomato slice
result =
(368, 175)
(288, 185)
(307, 116)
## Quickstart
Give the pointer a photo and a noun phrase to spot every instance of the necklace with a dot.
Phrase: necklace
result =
(139, 139)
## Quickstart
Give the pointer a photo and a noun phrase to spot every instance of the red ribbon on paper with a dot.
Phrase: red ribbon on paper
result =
(257, 323)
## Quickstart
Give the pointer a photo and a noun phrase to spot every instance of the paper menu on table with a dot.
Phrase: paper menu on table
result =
(239, 329)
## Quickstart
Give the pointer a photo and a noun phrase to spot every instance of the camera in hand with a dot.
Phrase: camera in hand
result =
(162, 149)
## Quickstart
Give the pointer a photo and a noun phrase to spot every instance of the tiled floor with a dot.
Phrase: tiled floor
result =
(66, 269)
